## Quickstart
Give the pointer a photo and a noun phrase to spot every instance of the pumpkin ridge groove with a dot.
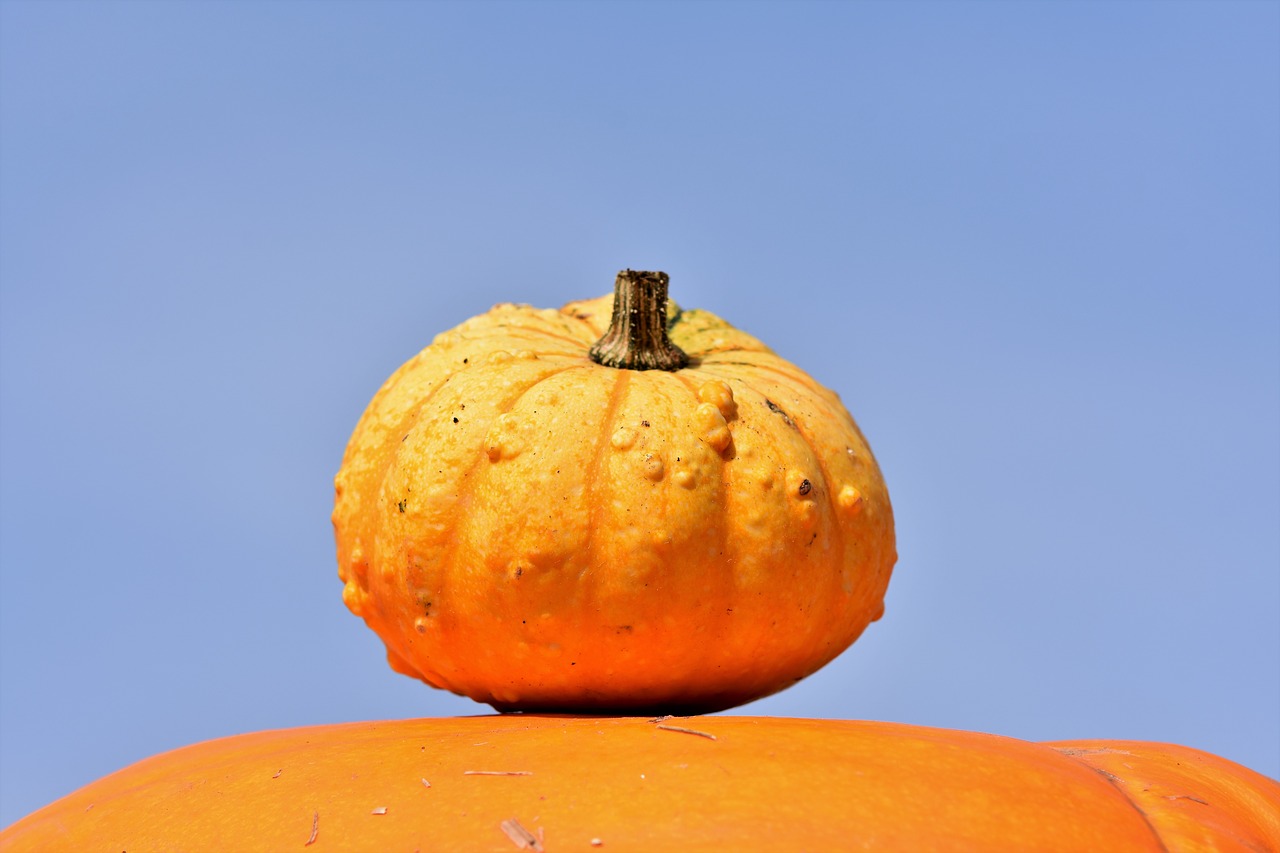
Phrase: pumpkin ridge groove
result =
(507, 406)
(591, 495)
(828, 399)
(735, 347)
(464, 483)
(507, 333)
(379, 475)
(803, 383)
(410, 415)
(722, 546)
(830, 487)
(801, 425)
(414, 412)
(1115, 783)
(796, 376)
(589, 333)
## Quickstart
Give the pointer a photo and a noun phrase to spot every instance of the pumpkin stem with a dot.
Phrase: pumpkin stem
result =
(637, 337)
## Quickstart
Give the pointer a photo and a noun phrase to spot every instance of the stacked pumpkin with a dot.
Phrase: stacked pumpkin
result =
(618, 511)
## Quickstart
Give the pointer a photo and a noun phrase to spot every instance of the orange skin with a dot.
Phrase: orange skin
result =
(1183, 792)
(536, 531)
(632, 785)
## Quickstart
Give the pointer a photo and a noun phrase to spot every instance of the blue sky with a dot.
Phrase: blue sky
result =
(1035, 247)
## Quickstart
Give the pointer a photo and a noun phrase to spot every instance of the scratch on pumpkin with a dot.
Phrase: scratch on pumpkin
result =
(706, 735)
(521, 837)
(1096, 750)
(1186, 797)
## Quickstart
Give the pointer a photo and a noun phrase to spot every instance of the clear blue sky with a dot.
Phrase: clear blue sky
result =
(1034, 246)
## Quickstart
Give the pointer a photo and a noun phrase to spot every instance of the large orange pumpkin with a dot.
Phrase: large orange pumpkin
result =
(610, 506)
(631, 784)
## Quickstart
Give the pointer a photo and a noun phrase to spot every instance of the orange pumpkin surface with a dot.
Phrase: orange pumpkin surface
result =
(679, 784)
(533, 529)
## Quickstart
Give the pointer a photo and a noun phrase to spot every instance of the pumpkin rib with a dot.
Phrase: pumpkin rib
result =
(772, 363)
(584, 333)
(506, 408)
(395, 457)
(831, 485)
(702, 539)
(463, 484)
(804, 383)
(678, 406)
(687, 381)
(506, 526)
(505, 334)
(410, 414)
(527, 332)
(806, 386)
(831, 407)
(828, 481)
(722, 530)
(544, 354)
(414, 412)
(735, 549)
(663, 388)
(830, 524)
(592, 486)
(834, 514)
(713, 336)
(809, 440)
(1124, 794)
(1196, 799)
(775, 366)
(724, 338)
(585, 311)
(703, 355)
(726, 471)
(510, 320)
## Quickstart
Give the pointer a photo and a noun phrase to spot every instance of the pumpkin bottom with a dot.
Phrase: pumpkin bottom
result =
(712, 783)
(686, 685)
(621, 654)
(702, 705)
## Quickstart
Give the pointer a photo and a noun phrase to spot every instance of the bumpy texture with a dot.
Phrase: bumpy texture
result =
(501, 784)
(533, 530)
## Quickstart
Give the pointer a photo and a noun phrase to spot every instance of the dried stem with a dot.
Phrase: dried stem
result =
(637, 337)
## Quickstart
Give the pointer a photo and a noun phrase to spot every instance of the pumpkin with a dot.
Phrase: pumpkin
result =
(617, 505)
(503, 783)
